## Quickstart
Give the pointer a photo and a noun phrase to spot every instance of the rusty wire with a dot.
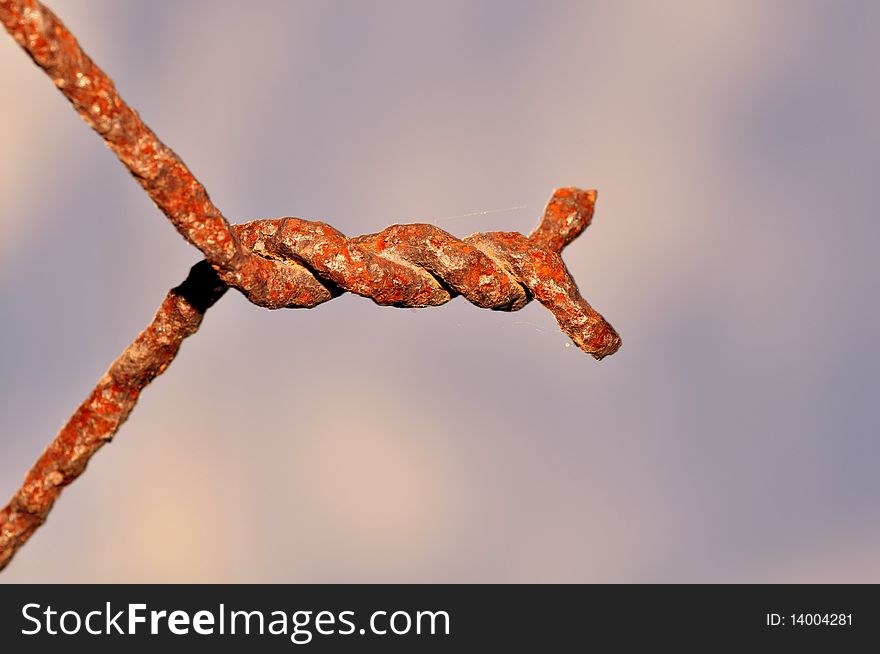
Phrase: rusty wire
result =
(285, 262)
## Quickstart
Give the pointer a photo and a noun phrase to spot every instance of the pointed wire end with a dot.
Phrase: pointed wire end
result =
(569, 212)
(605, 343)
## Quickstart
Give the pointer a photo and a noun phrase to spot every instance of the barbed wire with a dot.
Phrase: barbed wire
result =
(275, 263)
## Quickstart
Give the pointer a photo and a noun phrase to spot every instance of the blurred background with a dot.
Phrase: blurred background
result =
(734, 438)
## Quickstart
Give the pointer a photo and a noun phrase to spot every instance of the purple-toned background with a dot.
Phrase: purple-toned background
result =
(734, 438)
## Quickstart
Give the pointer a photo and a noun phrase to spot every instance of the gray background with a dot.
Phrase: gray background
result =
(732, 439)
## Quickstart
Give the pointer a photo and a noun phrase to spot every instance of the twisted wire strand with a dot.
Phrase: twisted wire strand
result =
(421, 265)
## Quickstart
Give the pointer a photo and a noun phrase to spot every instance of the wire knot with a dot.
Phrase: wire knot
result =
(420, 265)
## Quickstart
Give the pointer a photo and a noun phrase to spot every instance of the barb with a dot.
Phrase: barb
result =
(422, 265)
(286, 262)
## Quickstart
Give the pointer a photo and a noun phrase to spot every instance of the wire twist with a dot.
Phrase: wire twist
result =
(421, 265)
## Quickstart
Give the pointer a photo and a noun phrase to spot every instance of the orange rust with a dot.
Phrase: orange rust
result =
(99, 417)
(421, 265)
(161, 173)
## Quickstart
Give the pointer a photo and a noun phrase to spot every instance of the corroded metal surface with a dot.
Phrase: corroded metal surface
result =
(156, 167)
(421, 265)
(285, 262)
(98, 418)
